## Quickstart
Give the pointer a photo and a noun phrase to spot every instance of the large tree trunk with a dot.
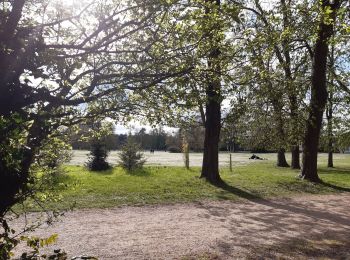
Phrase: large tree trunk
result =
(281, 158)
(210, 169)
(318, 96)
(295, 157)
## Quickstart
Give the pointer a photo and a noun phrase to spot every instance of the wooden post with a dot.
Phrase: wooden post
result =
(230, 162)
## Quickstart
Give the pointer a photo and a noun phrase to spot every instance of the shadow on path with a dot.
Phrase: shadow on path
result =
(292, 206)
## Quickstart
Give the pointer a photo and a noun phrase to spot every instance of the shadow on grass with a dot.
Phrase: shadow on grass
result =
(61, 176)
(105, 172)
(334, 170)
(304, 186)
(141, 172)
(335, 187)
(236, 191)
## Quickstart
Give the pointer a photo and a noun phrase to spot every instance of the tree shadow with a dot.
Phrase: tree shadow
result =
(141, 172)
(236, 191)
(290, 207)
(334, 170)
(335, 187)
(314, 247)
(105, 172)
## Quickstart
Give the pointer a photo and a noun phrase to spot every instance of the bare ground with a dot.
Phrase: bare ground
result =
(312, 227)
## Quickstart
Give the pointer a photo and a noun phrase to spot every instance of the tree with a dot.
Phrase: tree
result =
(210, 166)
(98, 157)
(55, 72)
(99, 131)
(281, 29)
(130, 156)
(318, 100)
(195, 33)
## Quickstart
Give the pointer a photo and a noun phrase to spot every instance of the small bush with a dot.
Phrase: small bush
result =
(98, 157)
(174, 149)
(130, 156)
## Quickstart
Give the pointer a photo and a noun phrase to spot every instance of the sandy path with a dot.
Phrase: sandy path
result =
(303, 228)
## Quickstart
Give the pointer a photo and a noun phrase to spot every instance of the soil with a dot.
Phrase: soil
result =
(311, 227)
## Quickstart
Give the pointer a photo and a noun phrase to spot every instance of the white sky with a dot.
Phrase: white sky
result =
(136, 126)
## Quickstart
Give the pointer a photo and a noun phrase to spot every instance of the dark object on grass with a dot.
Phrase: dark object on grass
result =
(98, 157)
(255, 157)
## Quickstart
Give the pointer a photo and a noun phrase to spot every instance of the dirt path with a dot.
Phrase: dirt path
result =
(306, 227)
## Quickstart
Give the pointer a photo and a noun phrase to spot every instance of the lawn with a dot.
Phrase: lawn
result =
(171, 184)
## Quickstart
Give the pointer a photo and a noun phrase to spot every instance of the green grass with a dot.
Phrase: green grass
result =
(175, 184)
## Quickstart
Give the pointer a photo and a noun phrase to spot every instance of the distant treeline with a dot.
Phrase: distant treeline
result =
(156, 139)
(116, 141)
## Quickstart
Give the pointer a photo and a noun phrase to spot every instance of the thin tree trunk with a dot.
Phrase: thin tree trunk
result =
(330, 131)
(318, 96)
(281, 157)
(329, 113)
(295, 164)
(330, 159)
(292, 96)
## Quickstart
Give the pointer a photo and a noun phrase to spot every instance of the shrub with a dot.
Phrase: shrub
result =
(54, 154)
(98, 157)
(174, 149)
(130, 156)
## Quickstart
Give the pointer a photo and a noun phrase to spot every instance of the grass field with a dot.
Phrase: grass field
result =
(172, 159)
(176, 159)
(170, 184)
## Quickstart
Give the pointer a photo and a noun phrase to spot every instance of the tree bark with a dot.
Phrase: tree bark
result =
(318, 96)
(330, 159)
(210, 169)
(295, 164)
(281, 158)
(295, 157)
(292, 96)
(329, 113)
(330, 131)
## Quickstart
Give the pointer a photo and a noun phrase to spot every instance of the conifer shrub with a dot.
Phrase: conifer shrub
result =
(98, 157)
(131, 157)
